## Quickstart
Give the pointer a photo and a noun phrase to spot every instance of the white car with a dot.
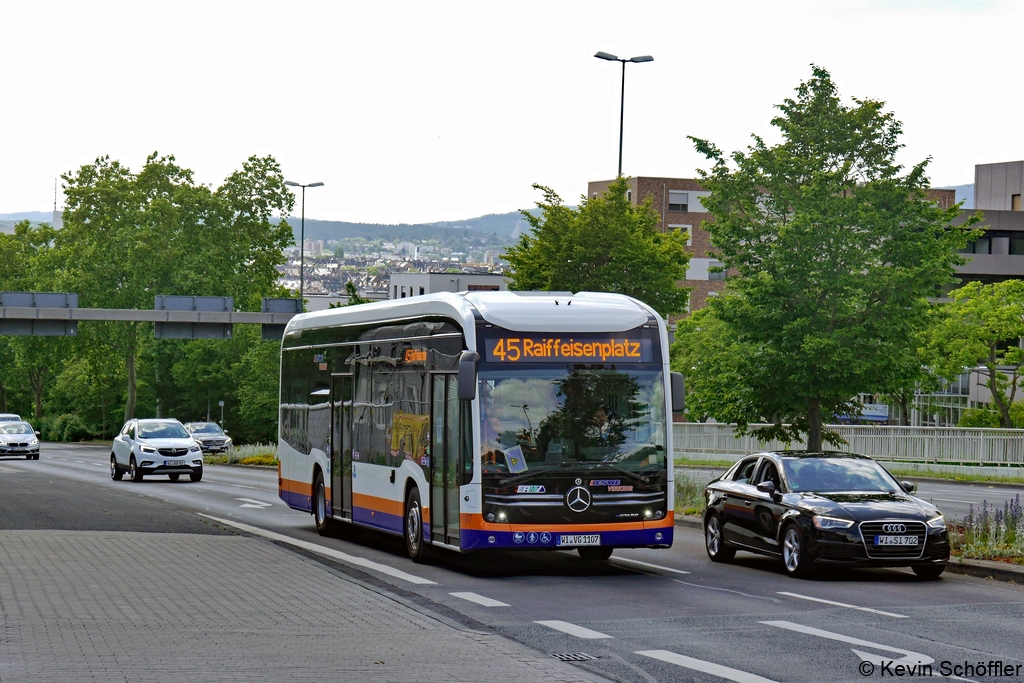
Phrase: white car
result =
(18, 438)
(10, 417)
(155, 447)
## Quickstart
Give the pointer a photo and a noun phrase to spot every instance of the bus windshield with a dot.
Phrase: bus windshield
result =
(560, 417)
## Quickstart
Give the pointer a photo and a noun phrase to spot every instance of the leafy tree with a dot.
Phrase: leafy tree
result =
(256, 376)
(837, 250)
(339, 252)
(980, 329)
(606, 245)
(128, 237)
(986, 417)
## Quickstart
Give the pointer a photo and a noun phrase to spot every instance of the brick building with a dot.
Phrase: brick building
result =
(677, 201)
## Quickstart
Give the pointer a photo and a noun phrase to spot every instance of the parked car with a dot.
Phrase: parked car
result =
(210, 437)
(158, 446)
(9, 417)
(813, 509)
(18, 438)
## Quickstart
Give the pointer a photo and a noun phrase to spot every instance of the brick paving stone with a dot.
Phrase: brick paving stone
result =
(122, 606)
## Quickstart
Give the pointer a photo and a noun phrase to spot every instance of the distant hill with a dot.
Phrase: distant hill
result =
(500, 224)
(9, 220)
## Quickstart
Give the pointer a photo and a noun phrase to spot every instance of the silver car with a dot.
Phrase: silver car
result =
(155, 447)
(210, 437)
(18, 438)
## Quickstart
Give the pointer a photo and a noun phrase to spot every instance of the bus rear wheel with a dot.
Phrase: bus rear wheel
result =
(324, 524)
(414, 527)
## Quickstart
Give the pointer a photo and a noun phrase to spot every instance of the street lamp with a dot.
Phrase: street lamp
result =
(622, 101)
(302, 238)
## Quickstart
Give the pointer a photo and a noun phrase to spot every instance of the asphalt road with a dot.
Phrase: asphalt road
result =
(647, 615)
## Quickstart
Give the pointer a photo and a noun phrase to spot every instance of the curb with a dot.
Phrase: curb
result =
(985, 569)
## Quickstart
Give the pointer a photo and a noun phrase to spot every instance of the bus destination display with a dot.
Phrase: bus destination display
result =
(572, 349)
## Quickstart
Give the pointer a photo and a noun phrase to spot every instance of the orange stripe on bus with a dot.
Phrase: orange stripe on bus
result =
(391, 507)
(293, 486)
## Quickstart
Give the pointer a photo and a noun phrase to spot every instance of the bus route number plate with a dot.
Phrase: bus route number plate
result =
(579, 539)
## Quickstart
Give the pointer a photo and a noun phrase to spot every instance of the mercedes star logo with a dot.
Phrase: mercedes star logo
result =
(578, 499)
(894, 528)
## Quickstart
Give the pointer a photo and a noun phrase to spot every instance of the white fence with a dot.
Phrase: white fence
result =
(947, 445)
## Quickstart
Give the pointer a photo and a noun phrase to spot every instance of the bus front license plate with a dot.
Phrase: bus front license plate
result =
(579, 539)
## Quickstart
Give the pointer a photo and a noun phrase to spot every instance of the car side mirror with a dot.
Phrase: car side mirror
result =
(908, 486)
(38, 435)
(766, 487)
(224, 430)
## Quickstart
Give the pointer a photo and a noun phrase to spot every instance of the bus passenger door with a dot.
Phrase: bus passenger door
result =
(444, 459)
(341, 445)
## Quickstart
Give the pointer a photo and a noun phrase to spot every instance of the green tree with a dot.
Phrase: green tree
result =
(606, 245)
(256, 376)
(339, 252)
(353, 296)
(837, 251)
(128, 237)
(981, 329)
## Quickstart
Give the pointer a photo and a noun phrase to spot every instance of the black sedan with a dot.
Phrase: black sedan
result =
(823, 508)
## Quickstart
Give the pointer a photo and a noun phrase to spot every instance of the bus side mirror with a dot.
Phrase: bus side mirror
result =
(467, 375)
(678, 392)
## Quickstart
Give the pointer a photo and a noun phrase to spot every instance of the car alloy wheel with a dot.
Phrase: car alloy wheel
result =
(718, 551)
(134, 473)
(115, 472)
(793, 556)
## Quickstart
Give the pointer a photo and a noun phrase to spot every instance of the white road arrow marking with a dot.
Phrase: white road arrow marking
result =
(909, 658)
(842, 604)
(250, 503)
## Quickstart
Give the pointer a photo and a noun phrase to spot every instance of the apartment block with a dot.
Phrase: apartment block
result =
(678, 203)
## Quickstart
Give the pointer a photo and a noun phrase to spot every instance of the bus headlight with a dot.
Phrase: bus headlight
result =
(489, 516)
(502, 516)
(647, 514)
(658, 514)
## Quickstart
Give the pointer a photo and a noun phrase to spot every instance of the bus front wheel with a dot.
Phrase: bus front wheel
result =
(324, 524)
(414, 526)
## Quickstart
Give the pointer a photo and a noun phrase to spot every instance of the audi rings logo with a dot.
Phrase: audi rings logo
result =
(894, 528)
(578, 499)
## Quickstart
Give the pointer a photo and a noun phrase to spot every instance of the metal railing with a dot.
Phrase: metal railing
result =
(946, 445)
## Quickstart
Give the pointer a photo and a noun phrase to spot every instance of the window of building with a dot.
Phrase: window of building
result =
(678, 201)
(1015, 202)
(1017, 245)
(983, 245)
(716, 270)
(421, 291)
(629, 195)
(688, 229)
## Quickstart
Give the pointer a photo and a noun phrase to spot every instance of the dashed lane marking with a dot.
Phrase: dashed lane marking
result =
(842, 604)
(480, 599)
(327, 552)
(648, 564)
(250, 503)
(705, 667)
(573, 629)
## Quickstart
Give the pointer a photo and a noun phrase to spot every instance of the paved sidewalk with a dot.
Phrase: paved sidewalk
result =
(104, 606)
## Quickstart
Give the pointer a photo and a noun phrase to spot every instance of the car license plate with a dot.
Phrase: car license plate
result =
(895, 540)
(174, 463)
(579, 539)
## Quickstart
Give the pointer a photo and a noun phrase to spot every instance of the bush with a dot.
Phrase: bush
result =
(66, 427)
(689, 495)
(991, 532)
(989, 417)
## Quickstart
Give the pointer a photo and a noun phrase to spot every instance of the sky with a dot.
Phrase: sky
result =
(424, 111)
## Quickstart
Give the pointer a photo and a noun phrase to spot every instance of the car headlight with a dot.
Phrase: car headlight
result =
(147, 449)
(938, 522)
(227, 442)
(831, 522)
(195, 449)
(33, 442)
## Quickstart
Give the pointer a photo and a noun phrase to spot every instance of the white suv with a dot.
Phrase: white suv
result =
(155, 447)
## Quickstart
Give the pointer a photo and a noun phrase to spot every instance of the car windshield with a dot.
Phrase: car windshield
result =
(16, 428)
(206, 428)
(821, 475)
(553, 417)
(162, 430)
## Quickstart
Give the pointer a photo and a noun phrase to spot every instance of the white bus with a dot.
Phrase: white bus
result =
(483, 420)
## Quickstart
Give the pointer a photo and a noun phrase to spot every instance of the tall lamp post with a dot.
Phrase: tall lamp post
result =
(302, 239)
(622, 101)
